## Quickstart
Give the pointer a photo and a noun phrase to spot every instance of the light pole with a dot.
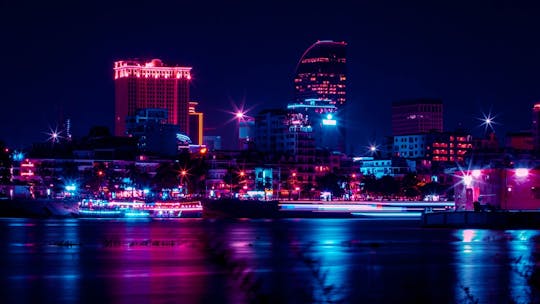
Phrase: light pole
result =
(239, 117)
(183, 174)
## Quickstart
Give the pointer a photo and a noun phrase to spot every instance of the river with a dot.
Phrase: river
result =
(269, 261)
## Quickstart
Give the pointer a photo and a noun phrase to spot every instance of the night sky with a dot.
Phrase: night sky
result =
(477, 56)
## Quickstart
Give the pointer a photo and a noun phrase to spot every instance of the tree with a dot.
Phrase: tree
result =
(330, 182)
(409, 185)
(388, 185)
(166, 176)
(232, 178)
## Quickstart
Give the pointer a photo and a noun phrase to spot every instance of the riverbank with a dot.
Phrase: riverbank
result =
(38, 208)
(493, 220)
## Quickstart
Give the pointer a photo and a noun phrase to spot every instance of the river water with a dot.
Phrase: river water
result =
(268, 261)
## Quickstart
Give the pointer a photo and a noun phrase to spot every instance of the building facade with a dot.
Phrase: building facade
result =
(196, 124)
(417, 116)
(325, 120)
(321, 73)
(140, 84)
(536, 127)
(320, 92)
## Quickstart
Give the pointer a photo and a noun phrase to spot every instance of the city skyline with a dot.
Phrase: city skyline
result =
(478, 58)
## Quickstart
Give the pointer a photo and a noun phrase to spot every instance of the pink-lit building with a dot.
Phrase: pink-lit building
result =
(499, 188)
(140, 85)
(321, 73)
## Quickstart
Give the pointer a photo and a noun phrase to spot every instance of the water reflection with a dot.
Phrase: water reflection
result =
(494, 266)
(42, 256)
(289, 261)
(522, 256)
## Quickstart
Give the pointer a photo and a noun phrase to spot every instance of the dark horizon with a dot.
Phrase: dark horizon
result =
(478, 58)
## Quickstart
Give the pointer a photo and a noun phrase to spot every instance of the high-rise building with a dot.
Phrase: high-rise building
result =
(417, 116)
(320, 86)
(325, 121)
(321, 73)
(536, 127)
(140, 85)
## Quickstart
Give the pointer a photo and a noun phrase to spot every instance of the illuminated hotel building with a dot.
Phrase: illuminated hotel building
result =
(140, 85)
(417, 116)
(321, 73)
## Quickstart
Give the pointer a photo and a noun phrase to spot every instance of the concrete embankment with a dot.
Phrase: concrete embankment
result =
(471, 219)
(37, 208)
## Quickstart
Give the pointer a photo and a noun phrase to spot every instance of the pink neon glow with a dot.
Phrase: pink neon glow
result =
(522, 172)
(154, 68)
(476, 173)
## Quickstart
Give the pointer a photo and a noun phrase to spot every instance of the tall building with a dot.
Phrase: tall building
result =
(417, 116)
(321, 73)
(536, 126)
(140, 84)
(325, 121)
(196, 124)
(320, 92)
(154, 134)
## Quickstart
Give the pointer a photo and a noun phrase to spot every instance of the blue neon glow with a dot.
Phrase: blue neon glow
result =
(329, 122)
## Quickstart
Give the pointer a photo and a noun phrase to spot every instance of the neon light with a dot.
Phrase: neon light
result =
(522, 172)
(329, 122)
(388, 214)
(155, 67)
(136, 214)
(476, 173)
(467, 180)
(100, 212)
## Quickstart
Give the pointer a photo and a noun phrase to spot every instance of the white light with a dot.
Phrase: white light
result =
(476, 173)
(329, 122)
(522, 172)
(467, 180)
(329, 116)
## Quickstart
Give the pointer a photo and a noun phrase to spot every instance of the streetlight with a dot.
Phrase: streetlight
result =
(183, 174)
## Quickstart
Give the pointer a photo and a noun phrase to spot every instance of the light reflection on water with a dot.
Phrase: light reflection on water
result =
(286, 261)
(494, 266)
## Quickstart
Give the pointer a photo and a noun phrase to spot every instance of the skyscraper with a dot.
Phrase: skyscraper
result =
(417, 116)
(320, 85)
(536, 126)
(140, 85)
(321, 73)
